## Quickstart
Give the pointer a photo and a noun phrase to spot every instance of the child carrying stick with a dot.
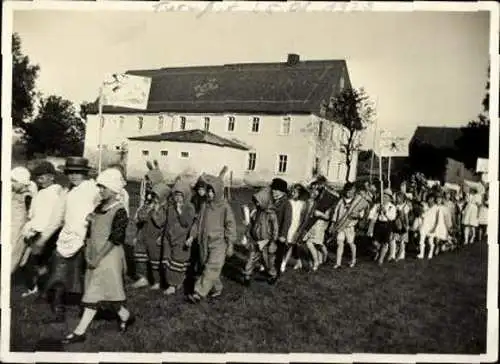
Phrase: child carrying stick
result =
(382, 218)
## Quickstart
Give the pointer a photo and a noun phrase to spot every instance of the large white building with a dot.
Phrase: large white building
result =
(273, 112)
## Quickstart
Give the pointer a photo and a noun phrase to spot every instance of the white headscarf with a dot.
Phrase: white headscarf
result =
(112, 179)
(21, 175)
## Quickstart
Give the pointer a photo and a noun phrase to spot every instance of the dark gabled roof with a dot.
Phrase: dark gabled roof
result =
(438, 137)
(272, 88)
(192, 136)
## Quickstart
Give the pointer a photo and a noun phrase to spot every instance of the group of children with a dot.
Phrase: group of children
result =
(184, 234)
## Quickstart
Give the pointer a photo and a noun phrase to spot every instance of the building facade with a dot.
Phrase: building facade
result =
(282, 130)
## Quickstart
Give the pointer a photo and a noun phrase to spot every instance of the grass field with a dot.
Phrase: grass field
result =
(406, 307)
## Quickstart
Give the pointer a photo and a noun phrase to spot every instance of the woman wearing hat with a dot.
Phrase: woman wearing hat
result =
(20, 179)
(104, 285)
(67, 266)
(44, 222)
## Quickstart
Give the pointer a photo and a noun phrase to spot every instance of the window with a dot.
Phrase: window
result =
(184, 154)
(252, 158)
(117, 147)
(282, 163)
(332, 133)
(183, 123)
(206, 123)
(145, 153)
(328, 168)
(230, 123)
(342, 83)
(285, 125)
(121, 122)
(161, 122)
(141, 122)
(255, 124)
(164, 153)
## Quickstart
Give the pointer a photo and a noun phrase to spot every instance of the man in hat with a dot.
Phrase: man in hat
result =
(67, 267)
(41, 230)
(283, 208)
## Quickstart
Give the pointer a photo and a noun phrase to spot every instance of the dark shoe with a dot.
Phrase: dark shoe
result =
(124, 325)
(247, 282)
(272, 280)
(58, 318)
(73, 338)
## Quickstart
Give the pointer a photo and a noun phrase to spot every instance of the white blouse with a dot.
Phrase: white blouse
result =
(80, 202)
(46, 209)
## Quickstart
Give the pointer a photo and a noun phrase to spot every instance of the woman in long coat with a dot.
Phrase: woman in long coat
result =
(180, 216)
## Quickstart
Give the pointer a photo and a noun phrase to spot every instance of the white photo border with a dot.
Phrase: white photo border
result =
(203, 7)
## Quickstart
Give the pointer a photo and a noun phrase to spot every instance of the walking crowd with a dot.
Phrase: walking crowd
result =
(75, 235)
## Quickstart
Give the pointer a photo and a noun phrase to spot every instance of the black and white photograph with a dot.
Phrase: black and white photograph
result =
(236, 179)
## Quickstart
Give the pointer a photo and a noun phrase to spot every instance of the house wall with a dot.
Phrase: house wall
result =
(455, 172)
(174, 163)
(300, 145)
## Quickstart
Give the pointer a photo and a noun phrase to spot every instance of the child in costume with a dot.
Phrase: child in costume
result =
(401, 228)
(180, 215)
(150, 221)
(428, 226)
(215, 233)
(346, 216)
(262, 229)
(298, 195)
(382, 218)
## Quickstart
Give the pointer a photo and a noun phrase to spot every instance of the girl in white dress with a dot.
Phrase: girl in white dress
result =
(427, 228)
(443, 224)
(470, 216)
(298, 192)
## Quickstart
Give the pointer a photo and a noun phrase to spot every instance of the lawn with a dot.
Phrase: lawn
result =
(406, 307)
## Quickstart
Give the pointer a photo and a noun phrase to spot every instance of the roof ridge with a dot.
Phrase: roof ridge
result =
(242, 64)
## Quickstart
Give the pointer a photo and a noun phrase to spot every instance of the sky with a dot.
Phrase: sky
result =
(422, 68)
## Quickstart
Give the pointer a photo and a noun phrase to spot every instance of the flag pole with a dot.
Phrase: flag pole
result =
(381, 179)
(101, 122)
(389, 173)
(374, 144)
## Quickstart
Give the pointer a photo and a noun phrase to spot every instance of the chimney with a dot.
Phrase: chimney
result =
(293, 59)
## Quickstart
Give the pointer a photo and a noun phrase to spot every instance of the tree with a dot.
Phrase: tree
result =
(475, 139)
(355, 112)
(24, 77)
(56, 130)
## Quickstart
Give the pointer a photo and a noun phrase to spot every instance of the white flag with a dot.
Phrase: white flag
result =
(392, 146)
(123, 90)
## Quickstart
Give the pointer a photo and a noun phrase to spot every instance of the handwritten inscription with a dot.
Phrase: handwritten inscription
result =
(261, 7)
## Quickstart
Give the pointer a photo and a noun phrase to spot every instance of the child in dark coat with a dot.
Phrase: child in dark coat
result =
(150, 224)
(283, 208)
(263, 229)
(215, 233)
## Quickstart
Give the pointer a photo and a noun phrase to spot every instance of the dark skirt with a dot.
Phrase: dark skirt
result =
(382, 231)
(68, 272)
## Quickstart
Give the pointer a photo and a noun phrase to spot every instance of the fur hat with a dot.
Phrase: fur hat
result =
(279, 184)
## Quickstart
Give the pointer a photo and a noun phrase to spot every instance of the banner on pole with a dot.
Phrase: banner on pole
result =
(392, 146)
(482, 165)
(124, 90)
